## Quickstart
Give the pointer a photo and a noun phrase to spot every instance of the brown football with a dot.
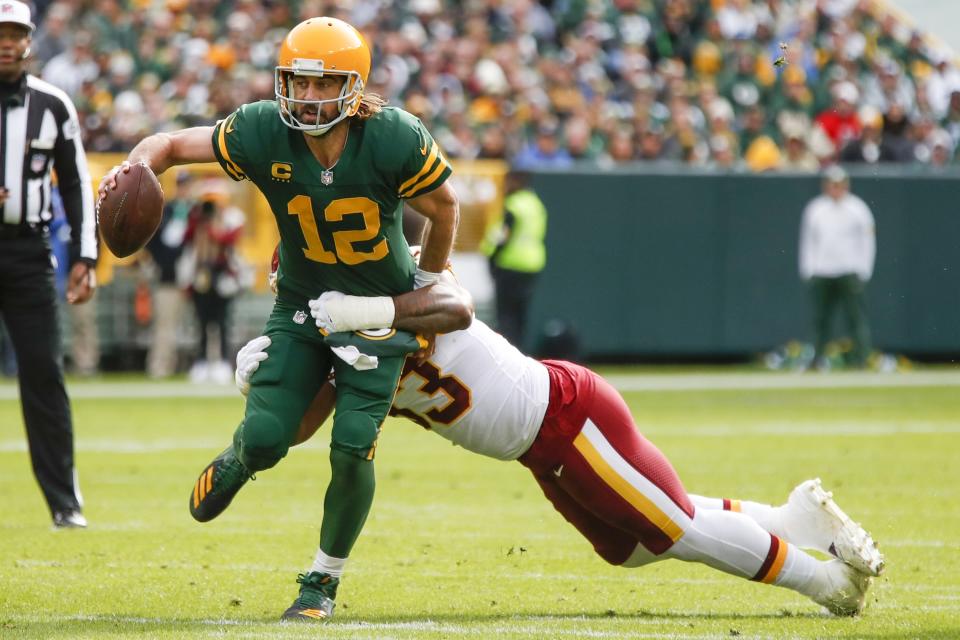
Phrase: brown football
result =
(130, 214)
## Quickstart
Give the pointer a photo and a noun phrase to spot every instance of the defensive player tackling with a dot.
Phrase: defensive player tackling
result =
(577, 436)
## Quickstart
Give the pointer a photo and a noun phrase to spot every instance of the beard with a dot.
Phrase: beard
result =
(310, 114)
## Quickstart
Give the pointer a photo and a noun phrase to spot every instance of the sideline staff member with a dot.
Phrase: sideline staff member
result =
(517, 253)
(838, 246)
(39, 131)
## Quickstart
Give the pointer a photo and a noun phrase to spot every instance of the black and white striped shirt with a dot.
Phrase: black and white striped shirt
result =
(40, 131)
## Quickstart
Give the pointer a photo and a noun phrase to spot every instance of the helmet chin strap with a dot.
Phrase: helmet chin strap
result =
(316, 133)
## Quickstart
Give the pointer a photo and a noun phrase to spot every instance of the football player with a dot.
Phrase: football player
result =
(576, 435)
(336, 165)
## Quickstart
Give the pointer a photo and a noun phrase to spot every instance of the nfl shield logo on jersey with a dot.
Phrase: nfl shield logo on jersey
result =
(326, 177)
(38, 162)
(300, 317)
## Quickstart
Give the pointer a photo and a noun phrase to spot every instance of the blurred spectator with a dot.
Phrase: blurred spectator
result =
(488, 75)
(210, 269)
(651, 143)
(620, 148)
(889, 86)
(722, 153)
(580, 141)
(896, 132)
(942, 80)
(837, 251)
(162, 252)
(70, 69)
(720, 118)
(545, 151)
(84, 332)
(940, 146)
(737, 20)
(763, 155)
(840, 121)
(797, 156)
(741, 86)
(870, 147)
(515, 246)
(794, 99)
(53, 35)
(754, 126)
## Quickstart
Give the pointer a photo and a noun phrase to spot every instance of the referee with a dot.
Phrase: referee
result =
(39, 131)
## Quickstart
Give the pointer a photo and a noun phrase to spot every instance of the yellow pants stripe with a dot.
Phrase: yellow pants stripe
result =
(627, 491)
(777, 564)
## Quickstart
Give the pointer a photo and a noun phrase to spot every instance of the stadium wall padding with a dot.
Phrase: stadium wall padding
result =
(666, 264)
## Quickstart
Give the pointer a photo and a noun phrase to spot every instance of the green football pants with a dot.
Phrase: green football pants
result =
(281, 390)
(286, 382)
(846, 292)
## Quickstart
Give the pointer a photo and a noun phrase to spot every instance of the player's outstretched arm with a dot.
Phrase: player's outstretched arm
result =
(442, 209)
(164, 150)
(441, 308)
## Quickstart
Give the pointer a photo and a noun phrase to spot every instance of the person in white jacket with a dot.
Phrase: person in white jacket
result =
(837, 250)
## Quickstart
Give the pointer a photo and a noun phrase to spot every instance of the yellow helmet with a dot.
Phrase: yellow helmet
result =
(319, 47)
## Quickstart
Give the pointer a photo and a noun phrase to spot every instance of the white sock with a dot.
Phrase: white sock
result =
(734, 543)
(327, 564)
(768, 517)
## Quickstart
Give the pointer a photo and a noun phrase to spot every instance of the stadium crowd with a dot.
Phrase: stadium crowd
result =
(738, 84)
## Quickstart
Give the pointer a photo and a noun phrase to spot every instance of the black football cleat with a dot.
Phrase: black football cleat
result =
(71, 519)
(315, 602)
(218, 483)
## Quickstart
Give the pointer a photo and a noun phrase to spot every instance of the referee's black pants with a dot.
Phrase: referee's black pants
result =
(513, 291)
(29, 307)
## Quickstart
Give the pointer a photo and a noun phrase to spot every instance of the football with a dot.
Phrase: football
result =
(130, 214)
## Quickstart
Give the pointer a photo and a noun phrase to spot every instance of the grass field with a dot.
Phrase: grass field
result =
(459, 546)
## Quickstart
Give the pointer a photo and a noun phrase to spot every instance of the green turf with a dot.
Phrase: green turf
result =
(461, 546)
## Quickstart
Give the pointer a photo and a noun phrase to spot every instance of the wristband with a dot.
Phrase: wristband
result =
(424, 278)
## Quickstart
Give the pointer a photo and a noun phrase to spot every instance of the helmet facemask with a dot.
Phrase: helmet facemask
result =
(348, 102)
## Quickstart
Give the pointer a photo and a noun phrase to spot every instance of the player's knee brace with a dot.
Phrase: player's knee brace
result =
(262, 442)
(355, 433)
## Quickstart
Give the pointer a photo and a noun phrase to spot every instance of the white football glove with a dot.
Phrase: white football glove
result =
(320, 310)
(335, 312)
(248, 361)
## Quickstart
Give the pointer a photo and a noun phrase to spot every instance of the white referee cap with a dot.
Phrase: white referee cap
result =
(16, 12)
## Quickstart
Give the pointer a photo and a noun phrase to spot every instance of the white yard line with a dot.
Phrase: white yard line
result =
(479, 628)
(763, 381)
(623, 382)
(799, 429)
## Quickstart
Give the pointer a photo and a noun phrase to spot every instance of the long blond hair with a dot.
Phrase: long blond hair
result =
(370, 105)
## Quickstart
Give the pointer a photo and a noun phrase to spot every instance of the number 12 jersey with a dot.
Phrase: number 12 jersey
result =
(340, 227)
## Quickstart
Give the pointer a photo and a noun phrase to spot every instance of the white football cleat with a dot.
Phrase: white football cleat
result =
(814, 521)
(846, 594)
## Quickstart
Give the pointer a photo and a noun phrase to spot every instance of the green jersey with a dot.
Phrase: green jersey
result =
(340, 227)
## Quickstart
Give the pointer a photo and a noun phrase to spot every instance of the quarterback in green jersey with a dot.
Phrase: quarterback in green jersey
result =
(336, 166)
